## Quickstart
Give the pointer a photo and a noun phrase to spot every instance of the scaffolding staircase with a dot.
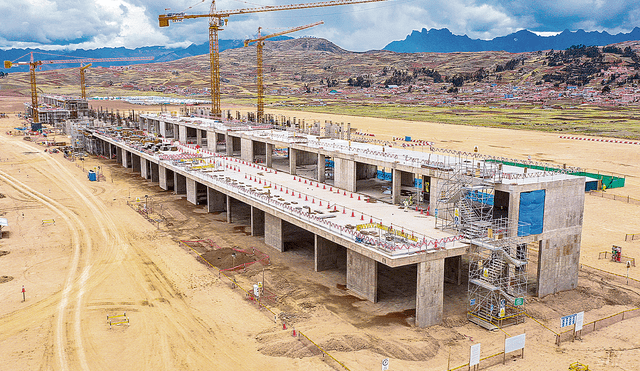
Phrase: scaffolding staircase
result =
(497, 256)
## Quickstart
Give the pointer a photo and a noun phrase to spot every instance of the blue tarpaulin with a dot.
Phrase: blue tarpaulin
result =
(531, 212)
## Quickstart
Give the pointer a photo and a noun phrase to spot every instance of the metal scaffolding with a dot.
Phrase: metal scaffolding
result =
(497, 255)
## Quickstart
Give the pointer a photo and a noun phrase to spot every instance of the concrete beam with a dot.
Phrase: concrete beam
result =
(430, 291)
(362, 275)
(273, 232)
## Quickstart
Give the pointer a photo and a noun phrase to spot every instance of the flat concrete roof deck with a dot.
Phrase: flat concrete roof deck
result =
(431, 158)
(339, 212)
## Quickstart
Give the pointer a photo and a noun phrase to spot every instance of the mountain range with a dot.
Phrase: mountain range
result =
(443, 41)
(159, 54)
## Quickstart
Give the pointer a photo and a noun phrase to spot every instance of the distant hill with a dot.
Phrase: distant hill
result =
(443, 41)
(160, 54)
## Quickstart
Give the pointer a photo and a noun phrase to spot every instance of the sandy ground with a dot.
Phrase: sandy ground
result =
(103, 258)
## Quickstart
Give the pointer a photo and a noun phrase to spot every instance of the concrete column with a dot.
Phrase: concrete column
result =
(558, 263)
(162, 177)
(269, 155)
(257, 222)
(182, 133)
(180, 184)
(229, 208)
(228, 144)
(362, 275)
(144, 168)
(344, 174)
(430, 291)
(273, 232)
(191, 191)
(216, 201)
(321, 168)
(199, 137)
(325, 254)
(163, 129)
(293, 160)
(135, 163)
(211, 141)
(154, 172)
(246, 149)
(396, 184)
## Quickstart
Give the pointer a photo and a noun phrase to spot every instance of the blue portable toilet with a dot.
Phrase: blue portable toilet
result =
(92, 176)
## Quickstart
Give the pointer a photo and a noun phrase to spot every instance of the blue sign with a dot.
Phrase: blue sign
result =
(568, 320)
(473, 302)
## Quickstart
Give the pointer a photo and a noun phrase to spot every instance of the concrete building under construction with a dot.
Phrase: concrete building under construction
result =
(367, 207)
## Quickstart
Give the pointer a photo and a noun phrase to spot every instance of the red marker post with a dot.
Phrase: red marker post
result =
(23, 295)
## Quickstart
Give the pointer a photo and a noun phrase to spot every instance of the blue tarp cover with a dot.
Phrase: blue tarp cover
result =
(531, 212)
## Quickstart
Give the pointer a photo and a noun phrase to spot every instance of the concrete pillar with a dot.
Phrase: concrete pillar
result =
(321, 168)
(162, 178)
(216, 201)
(558, 263)
(182, 133)
(293, 160)
(191, 191)
(199, 137)
(257, 222)
(229, 144)
(180, 184)
(154, 172)
(396, 184)
(135, 163)
(325, 254)
(229, 208)
(430, 291)
(144, 168)
(246, 149)
(269, 155)
(273, 232)
(344, 174)
(163, 129)
(211, 141)
(362, 275)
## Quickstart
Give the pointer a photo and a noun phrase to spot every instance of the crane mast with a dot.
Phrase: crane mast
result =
(33, 64)
(260, 70)
(218, 18)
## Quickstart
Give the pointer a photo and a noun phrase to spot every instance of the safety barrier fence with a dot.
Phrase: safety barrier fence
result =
(632, 236)
(613, 196)
(249, 294)
(600, 323)
(419, 241)
(621, 259)
(620, 278)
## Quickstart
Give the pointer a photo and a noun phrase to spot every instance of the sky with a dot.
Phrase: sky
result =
(91, 24)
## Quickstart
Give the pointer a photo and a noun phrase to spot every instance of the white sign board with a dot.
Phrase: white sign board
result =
(514, 343)
(474, 357)
(579, 321)
(256, 290)
(385, 364)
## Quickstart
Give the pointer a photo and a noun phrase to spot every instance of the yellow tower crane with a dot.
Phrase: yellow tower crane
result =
(83, 86)
(259, 44)
(33, 64)
(219, 18)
